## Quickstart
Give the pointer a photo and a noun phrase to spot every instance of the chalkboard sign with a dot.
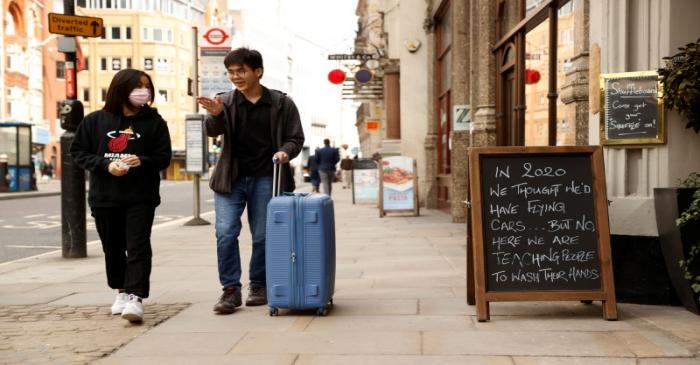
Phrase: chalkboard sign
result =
(539, 226)
(632, 110)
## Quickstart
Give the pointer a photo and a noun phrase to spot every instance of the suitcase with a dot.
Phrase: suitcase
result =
(300, 251)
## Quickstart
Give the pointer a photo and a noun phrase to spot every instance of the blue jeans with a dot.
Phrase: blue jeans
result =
(255, 193)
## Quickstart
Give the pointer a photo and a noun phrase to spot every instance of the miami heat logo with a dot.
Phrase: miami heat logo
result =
(120, 139)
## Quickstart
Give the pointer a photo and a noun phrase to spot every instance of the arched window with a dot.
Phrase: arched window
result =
(10, 24)
(14, 24)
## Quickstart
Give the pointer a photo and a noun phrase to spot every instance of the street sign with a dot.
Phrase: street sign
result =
(354, 56)
(75, 25)
(215, 37)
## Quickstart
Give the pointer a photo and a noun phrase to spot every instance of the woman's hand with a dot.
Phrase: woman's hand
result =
(132, 160)
(116, 170)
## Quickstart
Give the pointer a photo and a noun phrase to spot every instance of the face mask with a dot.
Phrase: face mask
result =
(139, 96)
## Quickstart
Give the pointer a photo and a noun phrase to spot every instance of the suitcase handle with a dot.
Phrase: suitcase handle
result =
(276, 178)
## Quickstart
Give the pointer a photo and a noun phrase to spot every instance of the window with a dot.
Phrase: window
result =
(86, 63)
(162, 96)
(145, 34)
(116, 64)
(60, 70)
(148, 63)
(116, 32)
(169, 33)
(128, 62)
(86, 94)
(128, 32)
(103, 63)
(157, 34)
(103, 95)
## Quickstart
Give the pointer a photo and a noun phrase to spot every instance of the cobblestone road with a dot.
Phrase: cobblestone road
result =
(41, 334)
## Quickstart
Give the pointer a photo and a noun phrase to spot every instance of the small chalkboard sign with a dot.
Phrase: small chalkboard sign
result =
(539, 226)
(632, 110)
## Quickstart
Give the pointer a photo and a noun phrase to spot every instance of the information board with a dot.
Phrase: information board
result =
(632, 109)
(195, 144)
(540, 225)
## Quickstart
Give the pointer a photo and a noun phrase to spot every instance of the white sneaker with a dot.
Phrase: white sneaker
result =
(119, 303)
(133, 311)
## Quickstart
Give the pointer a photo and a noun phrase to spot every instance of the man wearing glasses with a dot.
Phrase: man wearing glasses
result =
(257, 124)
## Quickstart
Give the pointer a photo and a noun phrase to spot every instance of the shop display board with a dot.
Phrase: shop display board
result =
(632, 109)
(398, 185)
(539, 226)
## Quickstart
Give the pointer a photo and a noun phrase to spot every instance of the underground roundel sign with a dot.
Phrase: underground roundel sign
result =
(216, 37)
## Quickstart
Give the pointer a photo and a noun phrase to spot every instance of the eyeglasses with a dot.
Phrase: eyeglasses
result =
(238, 73)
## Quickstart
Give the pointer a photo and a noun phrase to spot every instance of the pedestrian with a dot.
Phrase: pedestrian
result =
(313, 173)
(125, 145)
(258, 125)
(346, 167)
(327, 157)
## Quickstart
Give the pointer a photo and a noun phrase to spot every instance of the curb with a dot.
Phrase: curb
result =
(11, 196)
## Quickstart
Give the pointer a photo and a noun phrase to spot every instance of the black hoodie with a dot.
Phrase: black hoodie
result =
(103, 137)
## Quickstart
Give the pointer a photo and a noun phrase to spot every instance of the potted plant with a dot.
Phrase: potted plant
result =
(681, 84)
(678, 209)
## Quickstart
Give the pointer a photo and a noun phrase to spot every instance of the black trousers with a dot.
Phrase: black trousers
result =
(125, 233)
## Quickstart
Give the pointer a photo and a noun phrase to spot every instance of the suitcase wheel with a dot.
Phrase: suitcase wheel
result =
(274, 312)
(322, 311)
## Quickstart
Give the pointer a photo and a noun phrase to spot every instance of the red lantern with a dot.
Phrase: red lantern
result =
(532, 76)
(336, 76)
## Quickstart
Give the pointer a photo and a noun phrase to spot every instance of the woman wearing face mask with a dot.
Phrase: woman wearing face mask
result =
(124, 146)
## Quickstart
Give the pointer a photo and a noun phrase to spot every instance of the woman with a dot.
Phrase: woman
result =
(125, 145)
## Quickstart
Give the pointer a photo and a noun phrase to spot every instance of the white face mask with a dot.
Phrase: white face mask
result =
(140, 96)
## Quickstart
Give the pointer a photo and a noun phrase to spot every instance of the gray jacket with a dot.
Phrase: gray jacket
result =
(287, 136)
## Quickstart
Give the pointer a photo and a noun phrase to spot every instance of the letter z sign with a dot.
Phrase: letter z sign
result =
(461, 115)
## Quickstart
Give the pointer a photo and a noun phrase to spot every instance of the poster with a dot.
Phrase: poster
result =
(398, 183)
(366, 184)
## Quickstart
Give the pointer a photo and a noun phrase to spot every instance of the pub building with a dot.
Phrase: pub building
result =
(528, 73)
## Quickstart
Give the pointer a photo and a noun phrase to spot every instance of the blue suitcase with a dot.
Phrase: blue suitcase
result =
(300, 252)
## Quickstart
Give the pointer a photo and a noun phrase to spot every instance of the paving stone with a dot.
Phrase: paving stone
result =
(401, 360)
(172, 344)
(573, 361)
(408, 323)
(346, 342)
(523, 343)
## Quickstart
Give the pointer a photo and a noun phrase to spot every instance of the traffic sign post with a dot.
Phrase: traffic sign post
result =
(74, 236)
(75, 25)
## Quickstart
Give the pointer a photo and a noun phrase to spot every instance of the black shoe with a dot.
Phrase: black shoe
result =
(256, 296)
(229, 301)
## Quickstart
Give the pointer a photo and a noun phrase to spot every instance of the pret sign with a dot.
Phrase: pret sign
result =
(75, 25)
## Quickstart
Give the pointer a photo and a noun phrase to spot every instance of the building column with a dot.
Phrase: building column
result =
(575, 88)
(483, 67)
(429, 192)
(461, 91)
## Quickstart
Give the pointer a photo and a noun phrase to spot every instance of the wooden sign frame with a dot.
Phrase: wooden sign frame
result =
(661, 136)
(477, 291)
(416, 202)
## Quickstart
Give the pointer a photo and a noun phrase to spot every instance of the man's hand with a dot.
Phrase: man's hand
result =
(281, 157)
(115, 170)
(214, 106)
(132, 160)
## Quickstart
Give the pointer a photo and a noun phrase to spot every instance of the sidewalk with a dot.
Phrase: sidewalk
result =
(44, 188)
(400, 299)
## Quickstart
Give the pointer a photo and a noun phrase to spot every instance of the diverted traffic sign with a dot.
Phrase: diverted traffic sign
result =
(75, 25)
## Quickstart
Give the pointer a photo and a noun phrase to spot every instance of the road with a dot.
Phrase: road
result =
(31, 226)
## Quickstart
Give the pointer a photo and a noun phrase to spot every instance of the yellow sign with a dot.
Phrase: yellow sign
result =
(75, 25)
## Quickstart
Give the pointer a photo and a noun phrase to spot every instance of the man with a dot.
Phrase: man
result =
(327, 157)
(257, 124)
